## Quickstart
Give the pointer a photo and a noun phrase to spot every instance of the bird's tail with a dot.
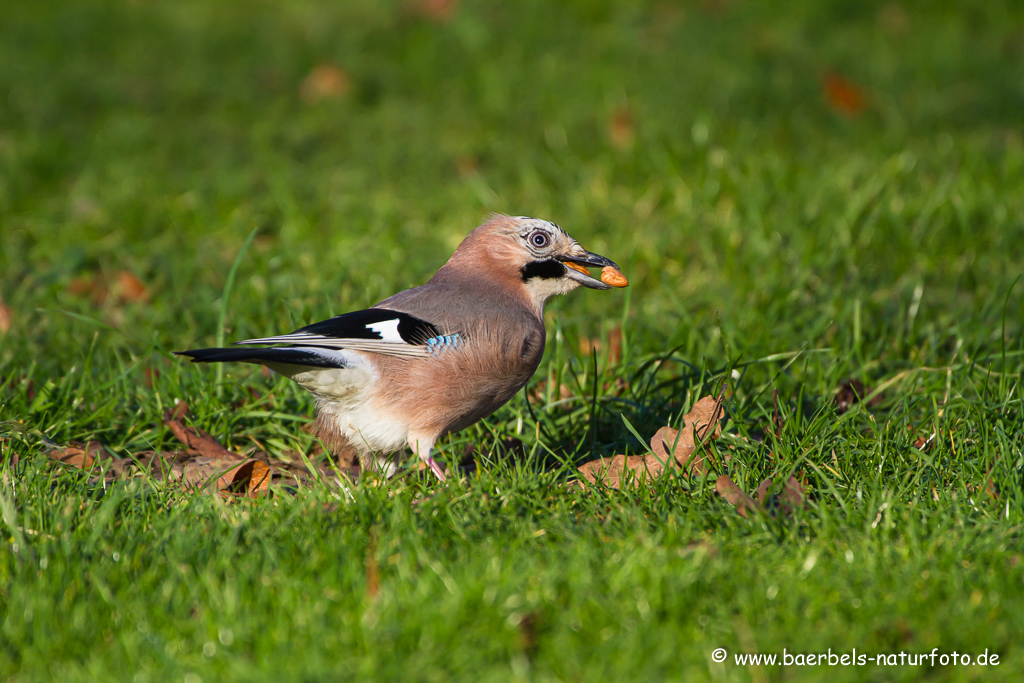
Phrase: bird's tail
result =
(291, 355)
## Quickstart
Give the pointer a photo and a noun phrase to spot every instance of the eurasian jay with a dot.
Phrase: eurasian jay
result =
(437, 358)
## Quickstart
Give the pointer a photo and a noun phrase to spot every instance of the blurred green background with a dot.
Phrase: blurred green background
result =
(789, 157)
(841, 177)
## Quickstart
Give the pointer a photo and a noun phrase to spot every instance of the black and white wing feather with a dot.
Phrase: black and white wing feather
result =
(375, 330)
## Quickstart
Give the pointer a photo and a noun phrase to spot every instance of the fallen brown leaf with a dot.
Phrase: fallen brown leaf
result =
(680, 444)
(124, 288)
(90, 286)
(990, 485)
(77, 455)
(620, 129)
(436, 10)
(528, 627)
(922, 442)
(744, 504)
(670, 448)
(205, 462)
(786, 501)
(845, 96)
(616, 470)
(539, 392)
(249, 479)
(196, 440)
(615, 345)
(777, 420)
(128, 288)
(325, 81)
(87, 456)
(848, 394)
(5, 318)
(372, 567)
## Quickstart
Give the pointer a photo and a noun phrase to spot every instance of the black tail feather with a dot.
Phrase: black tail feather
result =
(289, 355)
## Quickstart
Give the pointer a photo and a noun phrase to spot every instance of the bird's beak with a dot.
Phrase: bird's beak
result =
(576, 268)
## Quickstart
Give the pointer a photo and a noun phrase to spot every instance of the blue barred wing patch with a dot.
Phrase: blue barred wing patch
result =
(442, 343)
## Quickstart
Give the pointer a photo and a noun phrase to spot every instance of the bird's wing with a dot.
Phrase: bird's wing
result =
(375, 330)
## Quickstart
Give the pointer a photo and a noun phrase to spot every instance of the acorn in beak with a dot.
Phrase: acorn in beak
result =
(576, 269)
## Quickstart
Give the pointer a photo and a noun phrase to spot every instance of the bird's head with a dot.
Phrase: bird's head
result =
(530, 255)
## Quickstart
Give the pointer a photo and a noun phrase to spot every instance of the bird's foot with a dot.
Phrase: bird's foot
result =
(436, 469)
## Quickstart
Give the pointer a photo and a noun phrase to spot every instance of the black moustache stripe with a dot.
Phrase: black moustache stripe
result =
(545, 270)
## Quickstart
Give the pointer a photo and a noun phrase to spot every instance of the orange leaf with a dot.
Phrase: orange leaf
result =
(90, 286)
(129, 288)
(372, 567)
(75, 456)
(615, 471)
(701, 422)
(728, 489)
(80, 456)
(790, 498)
(438, 10)
(615, 345)
(325, 81)
(620, 129)
(679, 445)
(845, 96)
(5, 318)
(196, 440)
(249, 479)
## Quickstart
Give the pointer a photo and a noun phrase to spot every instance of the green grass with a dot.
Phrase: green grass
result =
(762, 230)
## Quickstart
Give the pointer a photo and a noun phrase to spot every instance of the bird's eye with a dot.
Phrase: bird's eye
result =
(539, 240)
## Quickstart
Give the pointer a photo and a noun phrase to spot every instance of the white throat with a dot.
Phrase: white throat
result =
(540, 290)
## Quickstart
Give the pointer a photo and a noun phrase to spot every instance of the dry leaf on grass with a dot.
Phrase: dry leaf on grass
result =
(5, 318)
(670, 449)
(324, 82)
(922, 442)
(196, 440)
(681, 444)
(615, 471)
(128, 288)
(372, 567)
(784, 503)
(435, 10)
(250, 479)
(205, 464)
(744, 504)
(844, 96)
(124, 288)
(620, 129)
(87, 456)
(614, 345)
(88, 286)
(540, 389)
(848, 394)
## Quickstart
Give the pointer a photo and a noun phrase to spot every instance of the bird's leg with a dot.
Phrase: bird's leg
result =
(423, 447)
(436, 469)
